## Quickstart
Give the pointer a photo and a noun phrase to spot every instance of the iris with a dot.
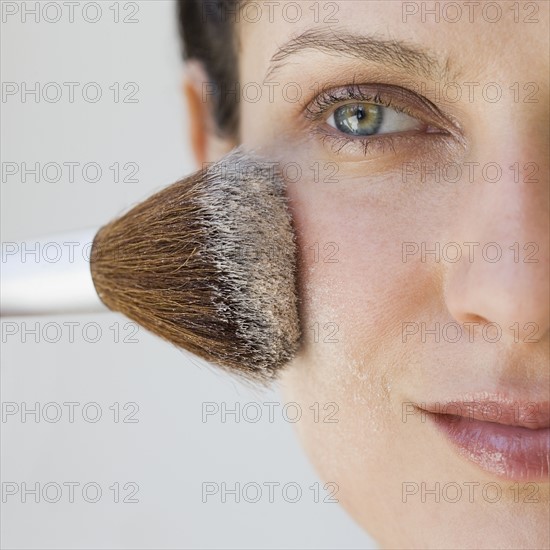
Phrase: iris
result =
(360, 119)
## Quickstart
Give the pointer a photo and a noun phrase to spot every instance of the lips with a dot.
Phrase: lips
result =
(509, 439)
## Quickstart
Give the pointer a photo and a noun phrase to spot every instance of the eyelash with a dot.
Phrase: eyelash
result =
(320, 108)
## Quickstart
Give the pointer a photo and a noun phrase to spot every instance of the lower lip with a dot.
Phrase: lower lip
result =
(511, 452)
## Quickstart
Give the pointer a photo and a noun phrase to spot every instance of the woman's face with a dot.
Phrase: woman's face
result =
(415, 147)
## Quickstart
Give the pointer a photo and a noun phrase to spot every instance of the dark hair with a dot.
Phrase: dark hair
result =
(207, 32)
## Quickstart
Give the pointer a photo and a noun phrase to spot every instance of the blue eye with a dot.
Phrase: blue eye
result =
(367, 119)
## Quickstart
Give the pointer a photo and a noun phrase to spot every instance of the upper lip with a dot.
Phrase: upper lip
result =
(497, 408)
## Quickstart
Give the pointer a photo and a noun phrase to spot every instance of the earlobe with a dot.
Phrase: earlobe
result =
(206, 144)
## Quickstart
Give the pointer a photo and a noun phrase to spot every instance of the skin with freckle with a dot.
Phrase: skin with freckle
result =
(355, 207)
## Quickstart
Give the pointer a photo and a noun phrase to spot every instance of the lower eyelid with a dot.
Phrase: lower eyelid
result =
(346, 145)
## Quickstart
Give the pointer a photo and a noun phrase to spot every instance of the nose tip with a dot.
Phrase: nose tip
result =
(512, 296)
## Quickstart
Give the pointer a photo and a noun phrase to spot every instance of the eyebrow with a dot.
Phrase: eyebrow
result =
(333, 42)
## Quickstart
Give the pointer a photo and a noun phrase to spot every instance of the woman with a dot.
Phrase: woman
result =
(414, 140)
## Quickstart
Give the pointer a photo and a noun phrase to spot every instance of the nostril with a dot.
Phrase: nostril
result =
(474, 318)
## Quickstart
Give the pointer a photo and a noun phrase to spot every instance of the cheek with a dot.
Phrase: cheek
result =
(349, 306)
(356, 290)
(355, 293)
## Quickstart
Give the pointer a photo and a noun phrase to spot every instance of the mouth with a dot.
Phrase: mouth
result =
(509, 439)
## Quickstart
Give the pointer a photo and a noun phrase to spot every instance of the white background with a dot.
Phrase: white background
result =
(169, 452)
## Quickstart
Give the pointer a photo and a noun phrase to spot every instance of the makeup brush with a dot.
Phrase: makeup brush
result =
(209, 264)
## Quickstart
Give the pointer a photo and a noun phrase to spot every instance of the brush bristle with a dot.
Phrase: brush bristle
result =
(209, 264)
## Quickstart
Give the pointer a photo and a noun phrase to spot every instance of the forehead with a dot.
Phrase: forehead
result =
(473, 39)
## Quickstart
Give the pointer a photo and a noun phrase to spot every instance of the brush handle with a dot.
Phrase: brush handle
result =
(48, 275)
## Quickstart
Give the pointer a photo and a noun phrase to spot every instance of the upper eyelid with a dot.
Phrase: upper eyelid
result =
(394, 97)
(374, 101)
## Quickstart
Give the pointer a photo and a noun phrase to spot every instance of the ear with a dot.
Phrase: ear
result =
(206, 144)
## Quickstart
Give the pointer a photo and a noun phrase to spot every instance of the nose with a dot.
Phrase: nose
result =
(503, 277)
